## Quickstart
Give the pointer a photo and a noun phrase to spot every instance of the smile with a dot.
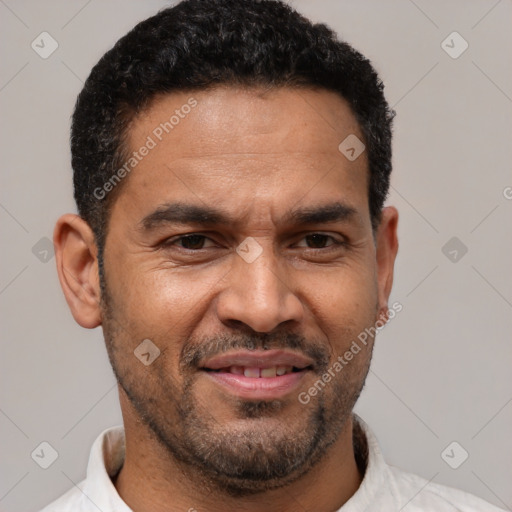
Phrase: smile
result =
(258, 375)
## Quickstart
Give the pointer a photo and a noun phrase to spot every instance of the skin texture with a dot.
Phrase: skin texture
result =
(257, 154)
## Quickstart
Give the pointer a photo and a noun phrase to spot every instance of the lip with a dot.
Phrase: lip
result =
(263, 388)
(266, 388)
(258, 358)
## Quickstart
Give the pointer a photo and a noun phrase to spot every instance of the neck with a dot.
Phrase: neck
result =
(151, 481)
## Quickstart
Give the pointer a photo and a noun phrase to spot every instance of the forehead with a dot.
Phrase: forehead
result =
(232, 145)
(234, 120)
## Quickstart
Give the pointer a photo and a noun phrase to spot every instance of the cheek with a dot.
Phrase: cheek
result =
(164, 303)
(346, 309)
(344, 297)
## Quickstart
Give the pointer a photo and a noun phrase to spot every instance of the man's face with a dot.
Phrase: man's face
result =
(249, 313)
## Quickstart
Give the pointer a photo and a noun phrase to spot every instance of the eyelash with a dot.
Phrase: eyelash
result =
(173, 241)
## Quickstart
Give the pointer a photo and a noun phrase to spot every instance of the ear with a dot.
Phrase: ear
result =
(386, 250)
(77, 266)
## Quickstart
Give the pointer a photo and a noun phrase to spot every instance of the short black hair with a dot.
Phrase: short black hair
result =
(198, 44)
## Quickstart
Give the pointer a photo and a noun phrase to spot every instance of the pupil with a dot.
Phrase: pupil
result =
(192, 240)
(318, 239)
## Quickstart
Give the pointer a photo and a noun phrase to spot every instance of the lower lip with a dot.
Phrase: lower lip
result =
(262, 388)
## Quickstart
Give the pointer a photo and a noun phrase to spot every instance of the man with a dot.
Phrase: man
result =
(231, 162)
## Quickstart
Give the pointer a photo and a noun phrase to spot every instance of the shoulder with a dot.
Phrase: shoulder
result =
(96, 491)
(419, 494)
(386, 487)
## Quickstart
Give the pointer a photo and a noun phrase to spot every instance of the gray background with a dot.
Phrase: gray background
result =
(441, 370)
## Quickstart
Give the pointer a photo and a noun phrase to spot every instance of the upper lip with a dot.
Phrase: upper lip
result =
(257, 359)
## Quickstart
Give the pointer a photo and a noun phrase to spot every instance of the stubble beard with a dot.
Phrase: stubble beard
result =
(241, 459)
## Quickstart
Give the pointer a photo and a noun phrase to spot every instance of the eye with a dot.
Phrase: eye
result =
(195, 242)
(318, 240)
(192, 242)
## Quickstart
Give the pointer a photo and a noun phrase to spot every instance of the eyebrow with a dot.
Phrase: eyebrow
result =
(185, 213)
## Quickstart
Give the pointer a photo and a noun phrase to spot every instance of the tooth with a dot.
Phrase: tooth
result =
(281, 370)
(252, 372)
(238, 370)
(268, 372)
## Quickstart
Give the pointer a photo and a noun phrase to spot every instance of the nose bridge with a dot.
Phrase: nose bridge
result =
(260, 281)
(257, 292)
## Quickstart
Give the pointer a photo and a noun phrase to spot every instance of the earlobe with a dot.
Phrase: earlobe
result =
(77, 267)
(387, 248)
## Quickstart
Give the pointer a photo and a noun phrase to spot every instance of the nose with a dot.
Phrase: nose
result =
(258, 295)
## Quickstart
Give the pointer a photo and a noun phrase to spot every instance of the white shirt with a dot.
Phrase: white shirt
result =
(384, 488)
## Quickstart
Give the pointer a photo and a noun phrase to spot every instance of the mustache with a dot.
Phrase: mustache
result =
(194, 352)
